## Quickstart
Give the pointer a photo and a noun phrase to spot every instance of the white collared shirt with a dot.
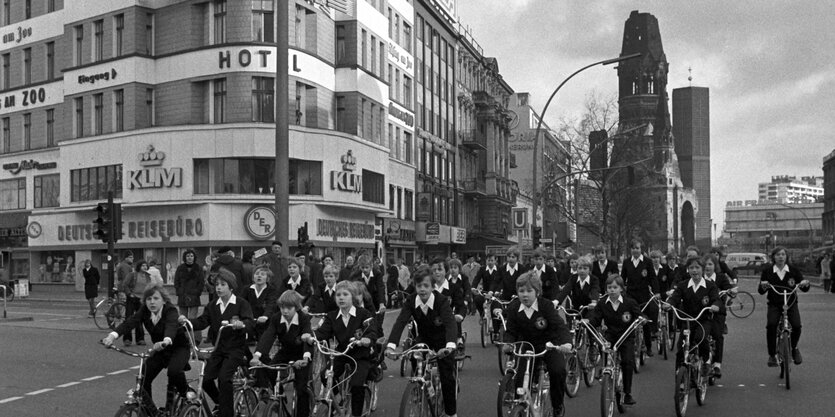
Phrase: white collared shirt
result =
(692, 284)
(346, 319)
(781, 272)
(287, 324)
(428, 305)
(529, 310)
(294, 283)
(711, 277)
(512, 270)
(491, 270)
(257, 291)
(602, 265)
(330, 290)
(155, 317)
(368, 278)
(443, 286)
(637, 261)
(584, 282)
(539, 271)
(232, 300)
(620, 300)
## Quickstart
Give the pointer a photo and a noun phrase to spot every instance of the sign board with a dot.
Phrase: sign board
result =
(458, 235)
(260, 223)
(520, 218)
(433, 233)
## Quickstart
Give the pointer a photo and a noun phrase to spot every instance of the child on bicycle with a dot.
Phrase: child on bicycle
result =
(288, 327)
(436, 327)
(618, 312)
(347, 324)
(785, 278)
(231, 343)
(324, 301)
(534, 319)
(691, 296)
(159, 316)
(454, 291)
(583, 288)
(261, 298)
(714, 273)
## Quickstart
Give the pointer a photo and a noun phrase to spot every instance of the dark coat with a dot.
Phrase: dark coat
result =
(550, 282)
(610, 268)
(231, 339)
(665, 278)
(335, 327)
(188, 283)
(580, 296)
(692, 302)
(167, 326)
(278, 265)
(789, 281)
(639, 280)
(265, 305)
(722, 283)
(617, 321)
(291, 347)
(91, 282)
(507, 282)
(375, 287)
(321, 301)
(304, 288)
(436, 328)
(486, 279)
(545, 325)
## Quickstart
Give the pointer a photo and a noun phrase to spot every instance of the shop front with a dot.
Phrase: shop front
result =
(13, 240)
(400, 239)
(439, 240)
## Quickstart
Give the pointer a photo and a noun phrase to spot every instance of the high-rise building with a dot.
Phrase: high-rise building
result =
(691, 130)
(789, 189)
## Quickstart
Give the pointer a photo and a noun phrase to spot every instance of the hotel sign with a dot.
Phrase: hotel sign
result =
(347, 180)
(153, 175)
(16, 167)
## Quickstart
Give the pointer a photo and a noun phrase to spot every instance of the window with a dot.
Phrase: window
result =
(364, 45)
(220, 21)
(389, 15)
(391, 83)
(7, 135)
(299, 30)
(94, 183)
(397, 143)
(380, 125)
(219, 87)
(27, 131)
(13, 194)
(27, 9)
(340, 114)
(340, 43)
(98, 115)
(407, 92)
(79, 44)
(361, 128)
(382, 59)
(50, 6)
(7, 75)
(47, 190)
(407, 143)
(79, 117)
(408, 196)
(305, 177)
(98, 40)
(392, 193)
(407, 38)
(149, 34)
(397, 84)
(50, 61)
(119, 23)
(119, 100)
(7, 12)
(262, 21)
(373, 187)
(263, 94)
(254, 176)
(374, 54)
(299, 103)
(373, 123)
(50, 128)
(396, 28)
(149, 105)
(27, 66)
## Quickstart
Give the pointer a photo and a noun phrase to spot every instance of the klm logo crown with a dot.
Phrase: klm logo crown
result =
(151, 157)
(349, 163)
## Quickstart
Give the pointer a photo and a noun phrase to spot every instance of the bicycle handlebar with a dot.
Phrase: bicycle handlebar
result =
(143, 355)
(526, 354)
(688, 318)
(783, 293)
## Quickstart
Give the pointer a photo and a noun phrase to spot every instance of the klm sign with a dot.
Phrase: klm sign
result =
(347, 180)
(152, 175)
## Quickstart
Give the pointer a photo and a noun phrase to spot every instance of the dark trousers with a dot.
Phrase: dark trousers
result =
(478, 300)
(222, 367)
(446, 369)
(718, 337)
(174, 360)
(357, 381)
(698, 334)
(627, 361)
(651, 311)
(773, 318)
(555, 366)
(132, 305)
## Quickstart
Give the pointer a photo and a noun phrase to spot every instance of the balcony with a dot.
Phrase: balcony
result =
(469, 138)
(474, 187)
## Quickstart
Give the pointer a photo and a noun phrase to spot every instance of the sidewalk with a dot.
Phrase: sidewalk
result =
(67, 294)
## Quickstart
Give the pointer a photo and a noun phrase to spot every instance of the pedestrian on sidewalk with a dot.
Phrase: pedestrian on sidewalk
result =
(188, 283)
(91, 284)
(826, 272)
(134, 290)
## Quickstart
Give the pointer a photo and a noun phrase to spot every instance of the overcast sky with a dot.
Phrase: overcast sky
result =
(770, 67)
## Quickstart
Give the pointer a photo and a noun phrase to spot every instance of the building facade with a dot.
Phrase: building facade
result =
(759, 226)
(789, 189)
(828, 217)
(691, 130)
(169, 105)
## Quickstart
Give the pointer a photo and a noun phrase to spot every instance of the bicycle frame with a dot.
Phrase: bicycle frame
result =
(198, 397)
(784, 332)
(136, 395)
(525, 394)
(326, 394)
(278, 393)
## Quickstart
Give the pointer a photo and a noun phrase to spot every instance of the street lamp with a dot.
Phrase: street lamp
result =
(536, 194)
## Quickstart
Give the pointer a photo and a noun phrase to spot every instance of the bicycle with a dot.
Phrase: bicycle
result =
(499, 335)
(666, 341)
(317, 361)
(784, 335)
(533, 398)
(578, 361)
(398, 297)
(423, 396)
(611, 375)
(741, 305)
(113, 312)
(689, 373)
(277, 402)
(8, 293)
(334, 399)
(407, 344)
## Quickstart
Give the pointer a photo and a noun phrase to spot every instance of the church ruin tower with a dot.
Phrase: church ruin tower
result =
(648, 196)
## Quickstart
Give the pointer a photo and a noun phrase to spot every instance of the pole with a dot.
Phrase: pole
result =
(110, 246)
(536, 194)
(282, 128)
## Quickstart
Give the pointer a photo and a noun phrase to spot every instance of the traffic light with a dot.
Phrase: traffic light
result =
(536, 236)
(108, 223)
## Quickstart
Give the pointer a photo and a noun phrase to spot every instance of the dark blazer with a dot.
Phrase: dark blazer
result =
(375, 286)
(617, 321)
(291, 347)
(545, 325)
(231, 339)
(610, 268)
(265, 305)
(639, 280)
(486, 279)
(321, 301)
(91, 276)
(333, 326)
(580, 296)
(507, 281)
(167, 326)
(563, 276)
(789, 281)
(456, 296)
(692, 302)
(305, 288)
(550, 282)
(436, 328)
(346, 273)
(722, 283)
(664, 277)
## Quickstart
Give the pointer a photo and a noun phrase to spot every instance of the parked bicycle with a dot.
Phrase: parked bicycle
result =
(689, 373)
(784, 334)
(423, 396)
(611, 376)
(533, 398)
(109, 312)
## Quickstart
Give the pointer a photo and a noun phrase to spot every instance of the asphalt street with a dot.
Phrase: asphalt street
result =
(53, 366)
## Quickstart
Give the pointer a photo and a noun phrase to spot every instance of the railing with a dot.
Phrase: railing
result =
(474, 185)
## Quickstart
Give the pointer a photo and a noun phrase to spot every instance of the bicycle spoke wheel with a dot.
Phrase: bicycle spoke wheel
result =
(99, 315)
(130, 410)
(485, 335)
(639, 348)
(589, 363)
(115, 315)
(572, 380)
(682, 390)
(316, 365)
(607, 396)
(502, 359)
(246, 401)
(742, 305)
(191, 410)
(414, 403)
(507, 392)
(519, 411)
(321, 409)
(785, 352)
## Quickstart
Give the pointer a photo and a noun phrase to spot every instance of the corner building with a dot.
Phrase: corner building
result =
(170, 105)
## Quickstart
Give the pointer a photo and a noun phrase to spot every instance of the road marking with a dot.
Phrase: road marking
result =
(741, 385)
(68, 384)
(118, 372)
(40, 391)
(134, 367)
(92, 378)
(762, 385)
(8, 400)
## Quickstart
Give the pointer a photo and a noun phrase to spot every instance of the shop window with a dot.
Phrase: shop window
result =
(373, 187)
(13, 194)
(58, 266)
(94, 183)
(254, 176)
(47, 190)
(263, 95)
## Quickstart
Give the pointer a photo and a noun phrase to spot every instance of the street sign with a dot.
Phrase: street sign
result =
(546, 241)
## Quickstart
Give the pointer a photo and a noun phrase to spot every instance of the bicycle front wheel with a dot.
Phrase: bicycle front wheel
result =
(607, 396)
(275, 409)
(321, 409)
(786, 354)
(742, 305)
(115, 315)
(682, 391)
(485, 335)
(519, 411)
(507, 392)
(130, 410)
(572, 380)
(414, 403)
(192, 410)
(99, 314)
(639, 349)
(589, 363)
(246, 401)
